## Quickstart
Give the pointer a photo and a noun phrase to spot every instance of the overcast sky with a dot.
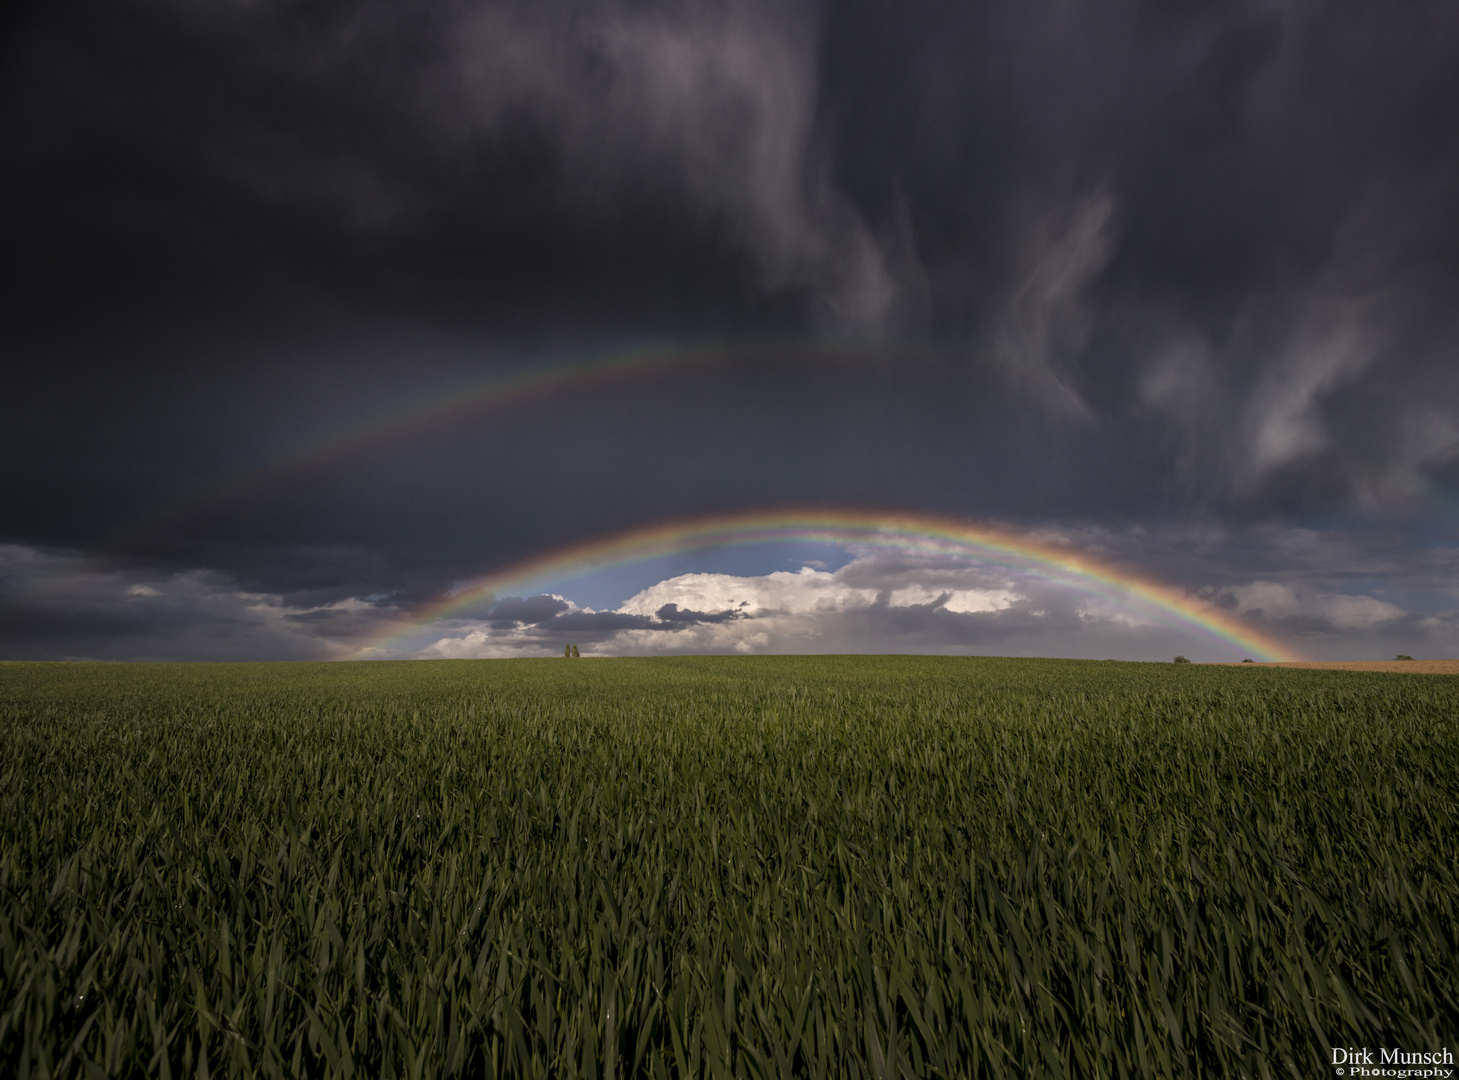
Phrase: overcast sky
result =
(1175, 282)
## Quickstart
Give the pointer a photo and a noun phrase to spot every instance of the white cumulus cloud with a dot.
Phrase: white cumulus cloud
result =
(880, 602)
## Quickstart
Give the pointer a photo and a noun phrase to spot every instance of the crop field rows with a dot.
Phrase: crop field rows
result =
(814, 867)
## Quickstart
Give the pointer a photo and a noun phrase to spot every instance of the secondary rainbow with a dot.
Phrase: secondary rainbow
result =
(1027, 555)
(503, 389)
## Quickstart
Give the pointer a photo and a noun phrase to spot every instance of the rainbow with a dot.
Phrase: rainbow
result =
(636, 363)
(1027, 555)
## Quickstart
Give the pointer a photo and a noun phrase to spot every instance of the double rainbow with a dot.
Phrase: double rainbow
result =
(1023, 554)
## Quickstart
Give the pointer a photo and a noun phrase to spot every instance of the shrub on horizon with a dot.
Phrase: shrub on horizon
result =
(1181, 660)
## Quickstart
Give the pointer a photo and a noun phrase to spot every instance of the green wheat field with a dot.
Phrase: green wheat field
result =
(727, 867)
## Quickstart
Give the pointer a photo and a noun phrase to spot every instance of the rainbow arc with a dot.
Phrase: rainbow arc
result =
(1022, 554)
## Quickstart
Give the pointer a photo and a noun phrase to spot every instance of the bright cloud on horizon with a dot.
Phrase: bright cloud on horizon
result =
(880, 602)
(806, 591)
(783, 611)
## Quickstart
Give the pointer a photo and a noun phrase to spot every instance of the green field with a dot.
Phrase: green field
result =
(830, 867)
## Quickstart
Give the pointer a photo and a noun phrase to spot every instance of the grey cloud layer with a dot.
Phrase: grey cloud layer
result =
(60, 605)
(57, 605)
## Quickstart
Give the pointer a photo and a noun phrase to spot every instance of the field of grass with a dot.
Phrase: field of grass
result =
(828, 867)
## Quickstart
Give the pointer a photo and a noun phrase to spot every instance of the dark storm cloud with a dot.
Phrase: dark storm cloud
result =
(488, 158)
(58, 605)
(673, 615)
(548, 618)
(1105, 264)
(532, 610)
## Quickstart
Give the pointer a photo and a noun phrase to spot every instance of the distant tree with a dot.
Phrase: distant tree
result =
(575, 651)
(1248, 660)
(1403, 656)
(567, 650)
(1181, 660)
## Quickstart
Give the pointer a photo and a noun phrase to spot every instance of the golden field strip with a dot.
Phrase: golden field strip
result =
(1401, 667)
